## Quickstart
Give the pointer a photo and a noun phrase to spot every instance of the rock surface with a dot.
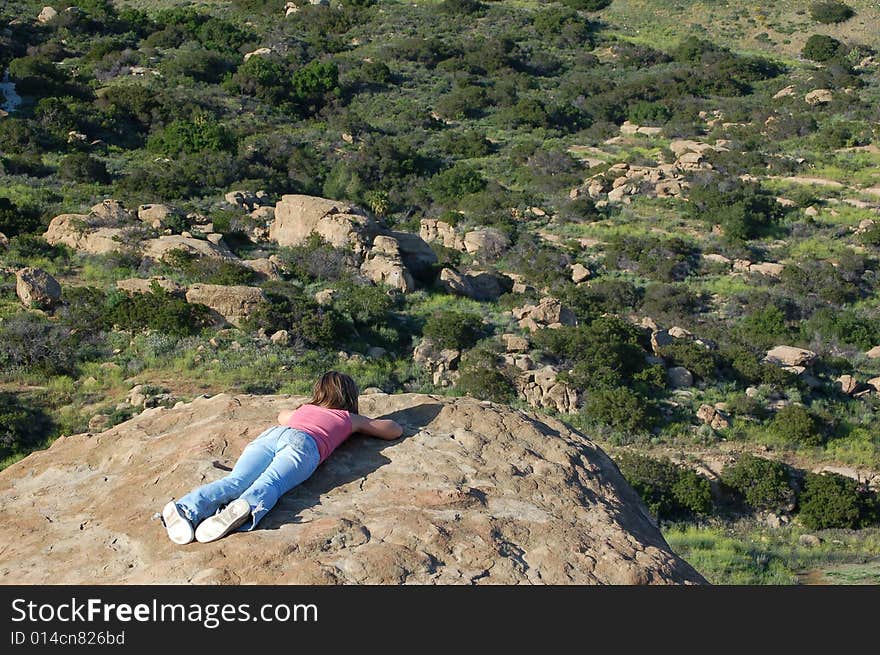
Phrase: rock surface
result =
(36, 288)
(474, 493)
(235, 303)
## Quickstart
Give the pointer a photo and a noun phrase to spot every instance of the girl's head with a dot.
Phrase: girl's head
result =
(336, 391)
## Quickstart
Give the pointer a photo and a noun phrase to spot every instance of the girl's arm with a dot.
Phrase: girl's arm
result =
(383, 428)
(284, 416)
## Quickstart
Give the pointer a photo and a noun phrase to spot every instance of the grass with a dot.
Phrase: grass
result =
(746, 553)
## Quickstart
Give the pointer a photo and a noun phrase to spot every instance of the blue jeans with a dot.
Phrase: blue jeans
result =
(270, 466)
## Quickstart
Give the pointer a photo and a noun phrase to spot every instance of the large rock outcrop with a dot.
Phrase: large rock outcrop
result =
(473, 493)
(341, 224)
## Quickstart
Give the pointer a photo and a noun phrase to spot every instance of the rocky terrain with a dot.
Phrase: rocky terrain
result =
(472, 493)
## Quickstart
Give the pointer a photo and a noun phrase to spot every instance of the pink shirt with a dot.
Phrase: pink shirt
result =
(329, 427)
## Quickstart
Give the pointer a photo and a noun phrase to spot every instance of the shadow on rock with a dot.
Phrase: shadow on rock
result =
(354, 460)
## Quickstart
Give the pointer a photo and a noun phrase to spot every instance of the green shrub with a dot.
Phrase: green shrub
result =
(289, 308)
(831, 12)
(14, 220)
(830, 500)
(743, 209)
(30, 342)
(587, 5)
(451, 185)
(196, 135)
(619, 407)
(454, 329)
(82, 167)
(668, 490)
(603, 353)
(462, 6)
(23, 425)
(665, 260)
(844, 326)
(698, 359)
(795, 424)
(157, 310)
(762, 483)
(209, 270)
(821, 48)
(480, 376)
(315, 259)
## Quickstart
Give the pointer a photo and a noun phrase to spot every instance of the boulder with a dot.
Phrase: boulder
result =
(157, 215)
(265, 267)
(431, 230)
(541, 389)
(142, 285)
(84, 233)
(487, 242)
(549, 312)
(36, 288)
(111, 212)
(874, 353)
(579, 273)
(46, 14)
(158, 248)
(234, 303)
(99, 423)
(678, 377)
(383, 264)
(280, 338)
(713, 417)
(784, 93)
(848, 384)
(767, 268)
(449, 503)
(259, 52)
(478, 285)
(660, 338)
(324, 296)
(4, 241)
(416, 254)
(515, 343)
(339, 223)
(790, 356)
(819, 97)
(441, 363)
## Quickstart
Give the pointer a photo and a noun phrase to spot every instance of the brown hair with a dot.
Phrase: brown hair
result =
(336, 391)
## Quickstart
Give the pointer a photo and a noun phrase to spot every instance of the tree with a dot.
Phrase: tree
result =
(831, 12)
(821, 48)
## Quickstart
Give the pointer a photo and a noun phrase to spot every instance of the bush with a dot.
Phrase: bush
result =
(602, 354)
(30, 342)
(480, 376)
(620, 408)
(209, 270)
(762, 483)
(157, 310)
(830, 500)
(831, 12)
(462, 6)
(454, 183)
(743, 210)
(82, 167)
(315, 259)
(668, 490)
(587, 5)
(195, 135)
(14, 220)
(698, 359)
(665, 260)
(454, 329)
(821, 48)
(23, 426)
(289, 308)
(795, 424)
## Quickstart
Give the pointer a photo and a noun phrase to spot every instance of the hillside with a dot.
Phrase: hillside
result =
(656, 224)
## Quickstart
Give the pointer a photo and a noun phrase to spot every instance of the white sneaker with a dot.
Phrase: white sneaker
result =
(179, 528)
(224, 521)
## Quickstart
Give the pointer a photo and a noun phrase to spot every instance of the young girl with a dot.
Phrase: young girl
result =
(274, 463)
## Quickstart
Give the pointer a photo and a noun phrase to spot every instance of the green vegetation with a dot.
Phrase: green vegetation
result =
(742, 211)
